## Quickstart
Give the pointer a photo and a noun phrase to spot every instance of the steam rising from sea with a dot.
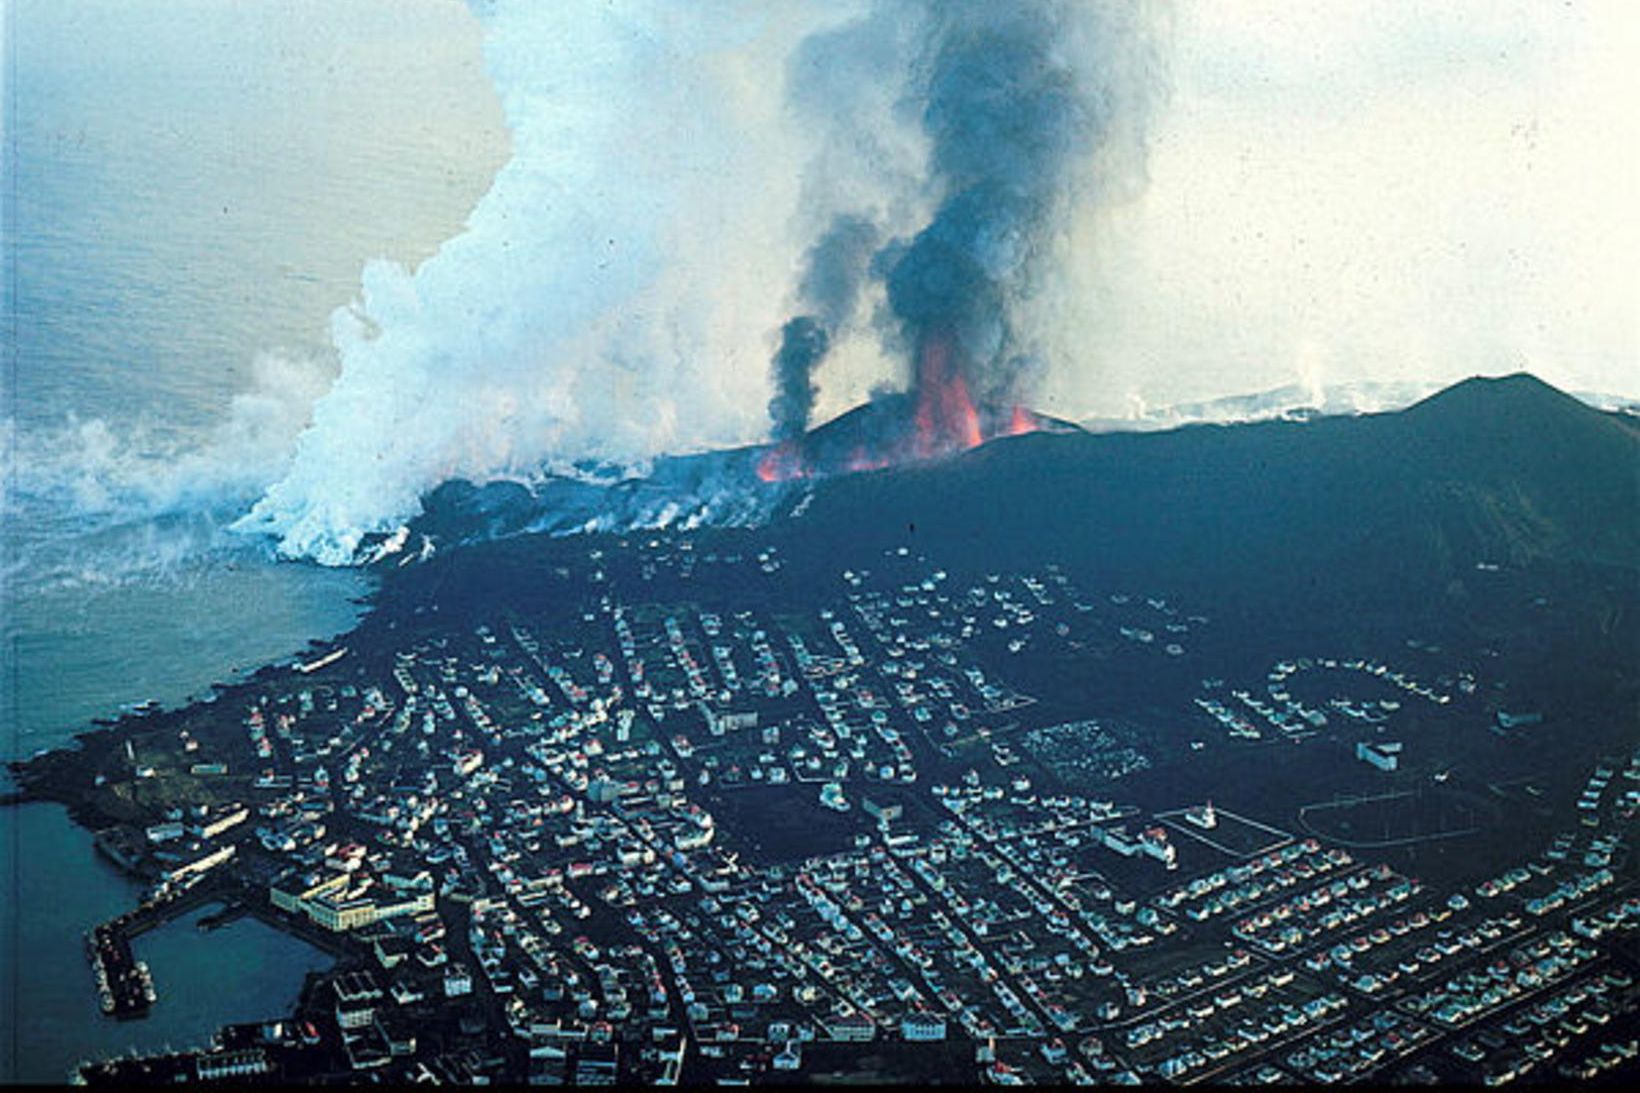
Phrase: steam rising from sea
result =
(609, 298)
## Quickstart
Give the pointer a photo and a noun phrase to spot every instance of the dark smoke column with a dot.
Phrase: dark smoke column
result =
(803, 343)
(834, 270)
(1032, 110)
(1017, 96)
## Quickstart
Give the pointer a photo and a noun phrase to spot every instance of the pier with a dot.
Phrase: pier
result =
(124, 984)
(231, 912)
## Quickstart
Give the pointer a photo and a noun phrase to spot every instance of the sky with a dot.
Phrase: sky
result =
(1385, 191)
(1334, 191)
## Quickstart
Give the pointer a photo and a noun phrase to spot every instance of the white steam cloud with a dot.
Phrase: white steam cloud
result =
(137, 472)
(609, 296)
(89, 503)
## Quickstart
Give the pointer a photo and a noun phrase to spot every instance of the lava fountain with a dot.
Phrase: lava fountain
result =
(937, 417)
(946, 419)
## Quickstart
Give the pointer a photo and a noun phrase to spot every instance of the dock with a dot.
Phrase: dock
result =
(125, 987)
(124, 984)
(231, 912)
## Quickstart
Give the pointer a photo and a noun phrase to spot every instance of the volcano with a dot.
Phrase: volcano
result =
(896, 429)
(1340, 510)
(734, 487)
(938, 416)
(1348, 511)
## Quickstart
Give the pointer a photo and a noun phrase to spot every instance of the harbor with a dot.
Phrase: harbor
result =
(125, 986)
(243, 970)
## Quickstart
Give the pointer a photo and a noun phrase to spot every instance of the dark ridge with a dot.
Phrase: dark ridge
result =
(1332, 511)
(1491, 396)
(1331, 514)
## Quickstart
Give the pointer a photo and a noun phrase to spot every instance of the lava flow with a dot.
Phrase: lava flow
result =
(783, 462)
(1022, 421)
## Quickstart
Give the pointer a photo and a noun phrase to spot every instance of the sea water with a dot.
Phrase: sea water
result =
(190, 188)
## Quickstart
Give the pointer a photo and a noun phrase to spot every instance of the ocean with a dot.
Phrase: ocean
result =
(191, 188)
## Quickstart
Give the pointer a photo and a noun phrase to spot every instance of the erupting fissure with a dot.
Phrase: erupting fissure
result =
(937, 417)
(946, 418)
(1015, 100)
(783, 462)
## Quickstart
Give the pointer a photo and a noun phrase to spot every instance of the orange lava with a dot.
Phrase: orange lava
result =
(782, 462)
(1020, 423)
(944, 421)
(861, 460)
(946, 417)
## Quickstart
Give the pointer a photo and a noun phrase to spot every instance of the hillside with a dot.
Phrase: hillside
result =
(1337, 515)
(1507, 471)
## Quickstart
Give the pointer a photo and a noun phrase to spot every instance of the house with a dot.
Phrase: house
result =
(922, 1027)
(457, 981)
(850, 1027)
(218, 1065)
(790, 1056)
(1383, 756)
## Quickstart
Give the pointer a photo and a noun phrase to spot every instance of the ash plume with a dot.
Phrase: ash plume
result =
(803, 342)
(1016, 101)
(982, 131)
(836, 267)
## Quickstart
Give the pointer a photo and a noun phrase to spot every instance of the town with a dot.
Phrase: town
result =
(669, 839)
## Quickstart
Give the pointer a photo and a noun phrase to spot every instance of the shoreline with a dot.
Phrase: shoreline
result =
(68, 775)
(34, 782)
(124, 719)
